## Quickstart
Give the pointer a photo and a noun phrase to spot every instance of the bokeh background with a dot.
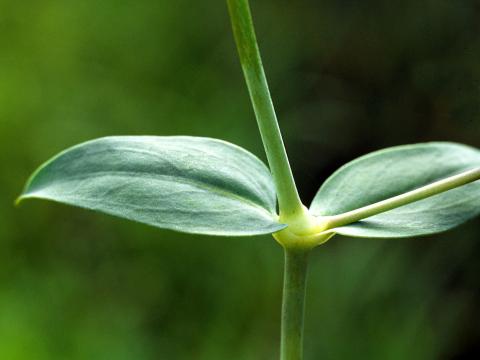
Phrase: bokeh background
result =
(348, 77)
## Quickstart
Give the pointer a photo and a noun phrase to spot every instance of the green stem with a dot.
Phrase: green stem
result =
(403, 199)
(294, 284)
(244, 33)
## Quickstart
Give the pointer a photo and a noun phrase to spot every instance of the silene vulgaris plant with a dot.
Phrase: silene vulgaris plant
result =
(207, 186)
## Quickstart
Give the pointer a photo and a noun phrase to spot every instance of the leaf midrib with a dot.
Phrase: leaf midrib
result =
(194, 183)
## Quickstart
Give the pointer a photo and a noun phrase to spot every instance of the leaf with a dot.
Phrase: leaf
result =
(189, 184)
(394, 171)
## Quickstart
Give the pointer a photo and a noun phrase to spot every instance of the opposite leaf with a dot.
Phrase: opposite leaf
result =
(394, 171)
(188, 184)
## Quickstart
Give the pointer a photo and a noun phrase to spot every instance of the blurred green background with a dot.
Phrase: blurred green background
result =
(348, 77)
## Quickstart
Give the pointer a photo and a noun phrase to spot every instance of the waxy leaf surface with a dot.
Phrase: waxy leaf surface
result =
(394, 171)
(188, 184)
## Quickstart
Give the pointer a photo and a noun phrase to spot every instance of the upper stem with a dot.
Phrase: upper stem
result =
(244, 33)
(403, 199)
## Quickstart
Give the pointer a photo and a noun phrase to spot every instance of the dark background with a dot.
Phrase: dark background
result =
(347, 77)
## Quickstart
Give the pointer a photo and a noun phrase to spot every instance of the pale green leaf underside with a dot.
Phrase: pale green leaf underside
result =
(187, 184)
(393, 171)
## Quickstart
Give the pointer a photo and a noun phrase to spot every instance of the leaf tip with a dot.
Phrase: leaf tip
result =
(19, 200)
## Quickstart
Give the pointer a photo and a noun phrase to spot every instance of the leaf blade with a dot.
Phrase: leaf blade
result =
(393, 171)
(187, 184)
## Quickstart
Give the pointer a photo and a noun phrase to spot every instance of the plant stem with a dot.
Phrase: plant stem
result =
(403, 199)
(244, 33)
(294, 285)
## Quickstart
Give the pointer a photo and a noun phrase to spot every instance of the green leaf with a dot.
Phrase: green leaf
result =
(189, 184)
(397, 170)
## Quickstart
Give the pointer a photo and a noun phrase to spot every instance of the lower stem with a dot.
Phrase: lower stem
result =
(294, 285)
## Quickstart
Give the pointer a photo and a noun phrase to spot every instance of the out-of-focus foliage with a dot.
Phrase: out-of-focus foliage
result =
(348, 77)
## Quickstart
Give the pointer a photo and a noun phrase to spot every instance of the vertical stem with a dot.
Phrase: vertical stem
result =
(289, 201)
(244, 33)
(294, 285)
